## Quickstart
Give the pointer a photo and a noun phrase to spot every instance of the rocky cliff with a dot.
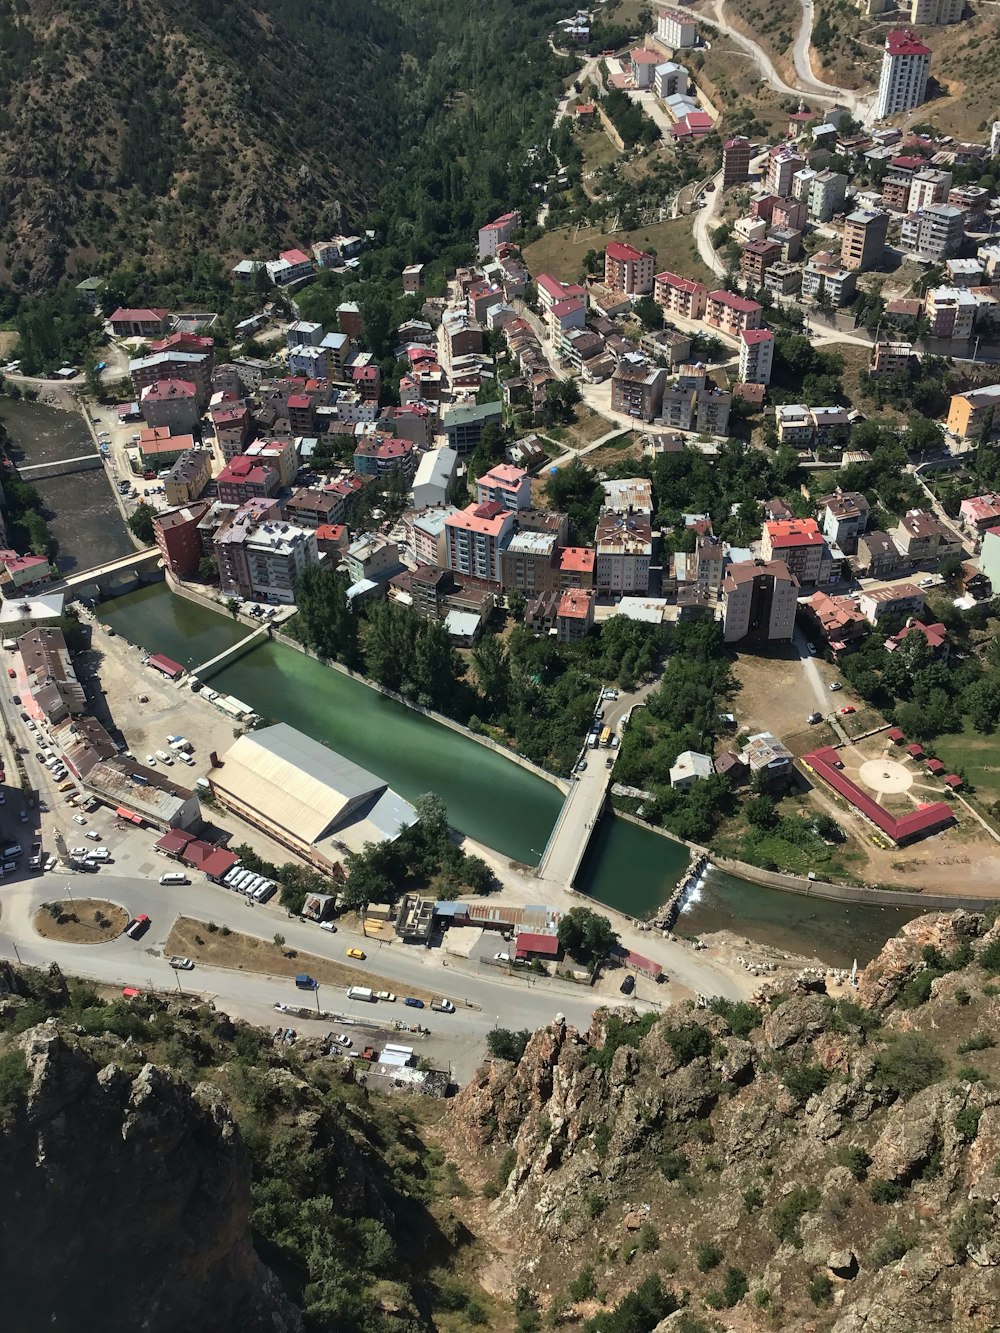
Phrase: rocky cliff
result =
(812, 1162)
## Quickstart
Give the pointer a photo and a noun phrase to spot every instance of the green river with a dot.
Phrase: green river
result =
(490, 799)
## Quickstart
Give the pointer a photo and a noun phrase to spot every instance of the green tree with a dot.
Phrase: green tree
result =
(326, 623)
(141, 522)
(208, 570)
(650, 314)
(504, 1044)
(586, 935)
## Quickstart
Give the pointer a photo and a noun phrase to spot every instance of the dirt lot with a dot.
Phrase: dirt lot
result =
(244, 953)
(82, 921)
(776, 696)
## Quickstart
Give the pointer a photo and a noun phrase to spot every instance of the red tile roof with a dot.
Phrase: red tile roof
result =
(577, 559)
(682, 284)
(824, 763)
(532, 942)
(902, 42)
(138, 316)
(740, 303)
(575, 605)
(754, 336)
(618, 250)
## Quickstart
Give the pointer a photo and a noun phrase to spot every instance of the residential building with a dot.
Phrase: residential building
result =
(756, 356)
(935, 636)
(924, 539)
(863, 245)
(564, 316)
(195, 367)
(171, 403)
(973, 200)
(676, 28)
(732, 314)
(308, 362)
(157, 448)
(291, 269)
(303, 332)
(836, 620)
(233, 426)
(246, 479)
(427, 536)
(379, 455)
(671, 80)
(891, 358)
(627, 269)
(463, 424)
(90, 290)
(434, 478)
(901, 599)
(642, 65)
(336, 348)
(551, 291)
(665, 345)
(139, 323)
(313, 508)
(971, 414)
(50, 676)
(936, 13)
(637, 388)
(736, 155)
(628, 495)
(783, 279)
(844, 516)
(878, 556)
(504, 485)
(758, 602)
(802, 184)
(827, 193)
(757, 257)
(497, 233)
(799, 543)
(951, 312)
(349, 319)
(229, 543)
(824, 279)
(980, 512)
(680, 296)
(188, 477)
(372, 559)
(19, 574)
(935, 233)
(281, 454)
(896, 191)
(693, 402)
(624, 549)
(574, 615)
(175, 532)
(790, 241)
(928, 187)
(530, 564)
(903, 81)
(576, 567)
(965, 273)
(413, 277)
(475, 538)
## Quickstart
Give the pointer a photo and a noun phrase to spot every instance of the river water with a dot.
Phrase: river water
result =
(489, 798)
(80, 509)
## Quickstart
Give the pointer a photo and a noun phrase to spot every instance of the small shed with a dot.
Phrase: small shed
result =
(935, 766)
(915, 751)
(159, 662)
(896, 736)
(535, 944)
(954, 781)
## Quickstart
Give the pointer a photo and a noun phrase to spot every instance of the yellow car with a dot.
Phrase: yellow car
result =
(356, 953)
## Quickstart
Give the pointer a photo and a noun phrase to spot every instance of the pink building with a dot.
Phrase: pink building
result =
(732, 314)
(980, 513)
(505, 485)
(247, 479)
(627, 269)
(680, 296)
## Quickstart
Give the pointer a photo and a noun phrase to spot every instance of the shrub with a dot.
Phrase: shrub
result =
(820, 1289)
(979, 1041)
(639, 1311)
(762, 1298)
(602, 1139)
(989, 959)
(908, 1064)
(14, 1084)
(963, 997)
(619, 1032)
(212, 927)
(583, 1285)
(673, 1164)
(734, 1288)
(967, 1122)
(649, 1238)
(972, 1225)
(856, 1160)
(790, 1211)
(969, 1074)
(708, 1256)
(688, 1042)
(741, 1017)
(889, 1247)
(503, 1044)
(885, 1191)
(753, 1198)
(595, 1205)
(802, 1081)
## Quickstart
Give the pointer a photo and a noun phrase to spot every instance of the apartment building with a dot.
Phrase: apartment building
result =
(783, 279)
(844, 516)
(637, 388)
(732, 314)
(756, 356)
(896, 191)
(195, 367)
(863, 244)
(924, 539)
(303, 333)
(878, 557)
(951, 312)
(973, 200)
(928, 187)
(276, 554)
(505, 485)
(497, 233)
(676, 28)
(371, 557)
(642, 64)
(308, 362)
(171, 403)
(576, 567)
(891, 358)
(623, 546)
(382, 454)
(798, 543)
(291, 268)
(823, 278)
(530, 563)
(782, 164)
(906, 64)
(671, 80)
(827, 192)
(757, 257)
(463, 424)
(246, 479)
(980, 513)
(736, 157)
(188, 477)
(475, 538)
(175, 532)
(935, 13)
(680, 296)
(904, 599)
(426, 534)
(759, 602)
(434, 479)
(313, 508)
(972, 413)
(627, 269)
(228, 541)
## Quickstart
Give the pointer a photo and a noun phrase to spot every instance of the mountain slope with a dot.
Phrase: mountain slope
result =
(820, 1164)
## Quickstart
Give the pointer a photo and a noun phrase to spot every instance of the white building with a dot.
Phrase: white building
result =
(676, 28)
(434, 476)
(276, 554)
(905, 66)
(691, 767)
(756, 355)
(505, 485)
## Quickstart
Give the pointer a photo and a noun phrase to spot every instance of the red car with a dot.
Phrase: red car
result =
(849, 709)
(12, 673)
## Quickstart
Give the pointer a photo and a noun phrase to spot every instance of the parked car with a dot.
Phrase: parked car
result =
(414, 1004)
(182, 964)
(628, 985)
(79, 819)
(849, 709)
(342, 1040)
(501, 958)
(93, 835)
(137, 926)
(79, 851)
(385, 995)
(836, 685)
(328, 926)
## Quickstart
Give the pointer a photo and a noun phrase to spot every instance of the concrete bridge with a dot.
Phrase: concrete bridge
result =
(115, 577)
(578, 818)
(231, 654)
(61, 467)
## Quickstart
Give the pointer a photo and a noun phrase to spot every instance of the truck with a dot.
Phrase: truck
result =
(605, 738)
(442, 1006)
(305, 982)
(361, 993)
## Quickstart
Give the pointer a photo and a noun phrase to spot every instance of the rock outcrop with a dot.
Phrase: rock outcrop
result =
(126, 1201)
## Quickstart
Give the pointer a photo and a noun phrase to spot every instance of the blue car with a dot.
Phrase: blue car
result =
(414, 1004)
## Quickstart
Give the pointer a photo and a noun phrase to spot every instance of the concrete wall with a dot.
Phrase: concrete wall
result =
(608, 126)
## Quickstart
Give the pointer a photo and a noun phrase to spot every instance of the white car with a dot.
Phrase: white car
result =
(328, 926)
(50, 863)
(501, 958)
(342, 1040)
(79, 851)
(385, 995)
(836, 685)
(150, 761)
(182, 964)
(93, 835)
(79, 819)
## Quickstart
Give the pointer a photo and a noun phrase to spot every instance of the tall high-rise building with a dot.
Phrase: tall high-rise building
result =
(905, 66)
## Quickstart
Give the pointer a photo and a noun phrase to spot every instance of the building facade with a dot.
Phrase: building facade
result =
(903, 81)
(759, 602)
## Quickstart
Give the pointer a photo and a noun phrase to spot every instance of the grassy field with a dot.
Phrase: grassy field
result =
(598, 150)
(561, 252)
(979, 758)
(587, 428)
(82, 921)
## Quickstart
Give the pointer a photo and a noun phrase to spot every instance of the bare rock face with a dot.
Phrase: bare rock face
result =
(902, 956)
(126, 1203)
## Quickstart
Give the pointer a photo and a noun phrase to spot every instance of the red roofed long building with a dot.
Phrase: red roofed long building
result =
(826, 764)
(627, 269)
(801, 545)
(732, 314)
(903, 81)
(680, 296)
(139, 323)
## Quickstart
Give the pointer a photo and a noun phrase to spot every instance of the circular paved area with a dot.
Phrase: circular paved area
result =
(885, 776)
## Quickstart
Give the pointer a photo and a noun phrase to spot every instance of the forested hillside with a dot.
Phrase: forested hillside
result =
(160, 133)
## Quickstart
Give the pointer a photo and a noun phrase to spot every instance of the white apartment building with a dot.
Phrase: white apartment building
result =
(756, 355)
(676, 28)
(905, 66)
(276, 554)
(624, 545)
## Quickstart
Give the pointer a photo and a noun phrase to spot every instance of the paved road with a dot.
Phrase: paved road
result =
(705, 221)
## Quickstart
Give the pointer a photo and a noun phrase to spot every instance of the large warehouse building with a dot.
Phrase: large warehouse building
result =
(306, 797)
